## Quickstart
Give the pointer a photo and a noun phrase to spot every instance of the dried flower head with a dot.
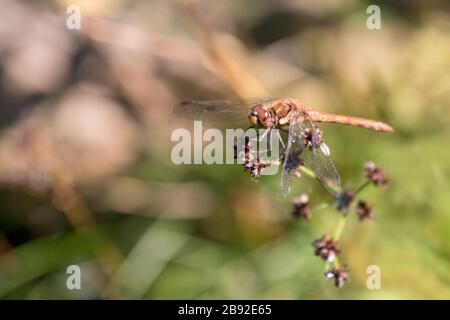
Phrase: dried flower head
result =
(244, 155)
(326, 247)
(345, 199)
(312, 138)
(255, 167)
(377, 175)
(340, 276)
(293, 163)
(301, 207)
(364, 211)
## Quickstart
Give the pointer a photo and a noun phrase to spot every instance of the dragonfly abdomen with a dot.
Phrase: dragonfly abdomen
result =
(349, 120)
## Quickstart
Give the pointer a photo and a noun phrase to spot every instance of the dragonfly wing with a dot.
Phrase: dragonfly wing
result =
(323, 167)
(292, 154)
(224, 112)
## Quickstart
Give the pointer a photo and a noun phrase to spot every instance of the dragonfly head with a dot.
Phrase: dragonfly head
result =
(260, 116)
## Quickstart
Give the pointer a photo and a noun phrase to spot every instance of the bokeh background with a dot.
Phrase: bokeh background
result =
(85, 170)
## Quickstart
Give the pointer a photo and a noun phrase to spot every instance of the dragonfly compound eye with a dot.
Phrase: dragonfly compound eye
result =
(255, 116)
(260, 116)
(253, 119)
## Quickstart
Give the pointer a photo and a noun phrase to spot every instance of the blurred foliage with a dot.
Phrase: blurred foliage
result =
(85, 170)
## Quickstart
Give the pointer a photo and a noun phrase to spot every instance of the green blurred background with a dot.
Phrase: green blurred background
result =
(85, 170)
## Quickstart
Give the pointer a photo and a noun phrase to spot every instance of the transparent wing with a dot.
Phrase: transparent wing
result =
(323, 166)
(219, 111)
(292, 154)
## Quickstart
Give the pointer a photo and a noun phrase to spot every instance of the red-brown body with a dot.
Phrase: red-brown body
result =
(278, 113)
(287, 115)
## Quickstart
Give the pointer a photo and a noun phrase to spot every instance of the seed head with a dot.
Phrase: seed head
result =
(345, 199)
(364, 211)
(301, 207)
(255, 167)
(312, 138)
(326, 248)
(340, 276)
(293, 163)
(244, 155)
(377, 175)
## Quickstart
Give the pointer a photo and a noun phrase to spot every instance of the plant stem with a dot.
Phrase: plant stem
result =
(362, 186)
(308, 172)
(342, 222)
(340, 227)
(342, 218)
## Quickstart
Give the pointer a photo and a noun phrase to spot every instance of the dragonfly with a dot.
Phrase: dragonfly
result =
(289, 115)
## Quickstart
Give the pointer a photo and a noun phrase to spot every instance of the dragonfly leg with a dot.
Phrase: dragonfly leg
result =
(265, 133)
(281, 141)
(255, 139)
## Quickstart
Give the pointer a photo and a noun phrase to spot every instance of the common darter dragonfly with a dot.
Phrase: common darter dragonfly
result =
(287, 115)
